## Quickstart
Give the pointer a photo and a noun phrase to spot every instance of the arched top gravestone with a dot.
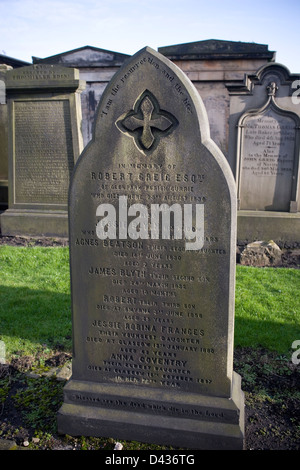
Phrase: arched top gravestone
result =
(268, 150)
(152, 225)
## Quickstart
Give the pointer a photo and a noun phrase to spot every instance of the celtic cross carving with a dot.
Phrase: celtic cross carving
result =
(147, 123)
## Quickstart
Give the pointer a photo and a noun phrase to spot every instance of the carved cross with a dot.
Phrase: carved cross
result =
(132, 122)
(146, 123)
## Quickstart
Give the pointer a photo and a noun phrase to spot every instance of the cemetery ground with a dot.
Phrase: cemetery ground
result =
(35, 326)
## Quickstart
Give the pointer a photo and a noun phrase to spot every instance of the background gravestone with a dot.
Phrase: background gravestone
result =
(269, 156)
(44, 142)
(3, 139)
(264, 136)
(153, 320)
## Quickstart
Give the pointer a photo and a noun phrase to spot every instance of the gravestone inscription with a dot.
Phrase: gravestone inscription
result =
(269, 156)
(152, 214)
(264, 142)
(44, 144)
(35, 159)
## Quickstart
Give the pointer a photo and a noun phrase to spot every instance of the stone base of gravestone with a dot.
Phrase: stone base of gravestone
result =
(34, 223)
(174, 418)
(281, 227)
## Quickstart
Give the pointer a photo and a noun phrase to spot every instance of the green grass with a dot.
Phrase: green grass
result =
(267, 309)
(35, 310)
(35, 307)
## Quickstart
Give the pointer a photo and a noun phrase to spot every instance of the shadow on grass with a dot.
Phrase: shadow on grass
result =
(29, 318)
(257, 333)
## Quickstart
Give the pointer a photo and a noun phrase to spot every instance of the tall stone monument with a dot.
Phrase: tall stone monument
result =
(44, 142)
(152, 214)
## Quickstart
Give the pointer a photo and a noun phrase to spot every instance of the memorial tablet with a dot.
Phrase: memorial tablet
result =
(269, 155)
(152, 214)
(44, 144)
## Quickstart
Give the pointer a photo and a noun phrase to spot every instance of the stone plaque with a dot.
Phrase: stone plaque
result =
(44, 144)
(152, 214)
(268, 170)
(42, 171)
(42, 76)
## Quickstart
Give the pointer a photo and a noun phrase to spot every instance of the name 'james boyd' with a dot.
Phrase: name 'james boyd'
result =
(145, 226)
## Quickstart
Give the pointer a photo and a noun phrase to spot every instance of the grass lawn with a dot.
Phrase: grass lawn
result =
(267, 311)
(35, 310)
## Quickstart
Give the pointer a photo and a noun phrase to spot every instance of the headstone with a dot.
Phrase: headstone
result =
(44, 144)
(265, 140)
(269, 155)
(153, 293)
(3, 139)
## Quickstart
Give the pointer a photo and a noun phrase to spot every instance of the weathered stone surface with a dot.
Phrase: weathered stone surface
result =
(153, 308)
(65, 372)
(282, 227)
(261, 253)
(7, 444)
(96, 67)
(44, 144)
(217, 49)
(3, 139)
(264, 140)
(269, 156)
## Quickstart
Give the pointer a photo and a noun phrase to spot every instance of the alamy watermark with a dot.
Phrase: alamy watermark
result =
(296, 354)
(167, 222)
(2, 92)
(296, 93)
(2, 353)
